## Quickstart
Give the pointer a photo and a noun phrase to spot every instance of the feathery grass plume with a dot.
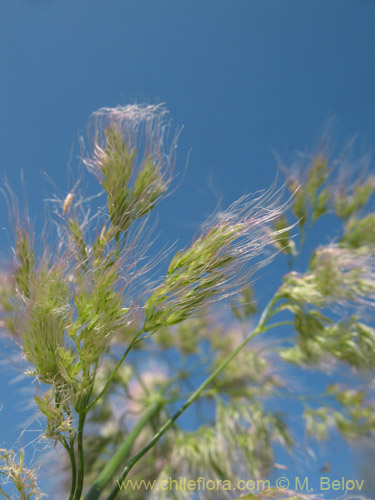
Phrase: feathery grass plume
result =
(306, 183)
(60, 298)
(24, 253)
(44, 320)
(350, 341)
(213, 265)
(7, 306)
(131, 158)
(345, 274)
(24, 479)
(349, 201)
(99, 312)
(237, 446)
(336, 275)
(246, 431)
(340, 182)
(352, 186)
(39, 300)
(354, 420)
(358, 417)
(77, 241)
(26, 261)
(360, 232)
(104, 295)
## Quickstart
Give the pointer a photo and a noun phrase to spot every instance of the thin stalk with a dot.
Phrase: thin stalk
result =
(70, 451)
(110, 378)
(266, 315)
(206, 394)
(69, 447)
(3, 493)
(21, 492)
(111, 467)
(81, 462)
(276, 325)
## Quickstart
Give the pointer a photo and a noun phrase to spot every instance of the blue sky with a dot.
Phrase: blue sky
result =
(245, 78)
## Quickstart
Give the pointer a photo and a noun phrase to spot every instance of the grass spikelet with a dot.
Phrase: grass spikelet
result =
(24, 479)
(336, 275)
(131, 159)
(212, 266)
(44, 320)
(99, 312)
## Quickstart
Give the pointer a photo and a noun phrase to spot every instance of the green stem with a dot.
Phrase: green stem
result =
(276, 325)
(4, 494)
(208, 394)
(70, 451)
(111, 467)
(21, 492)
(81, 462)
(110, 378)
(266, 315)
